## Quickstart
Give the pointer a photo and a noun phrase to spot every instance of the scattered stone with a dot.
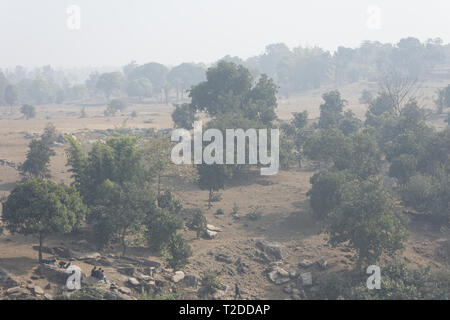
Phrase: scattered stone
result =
(241, 267)
(211, 234)
(322, 262)
(274, 251)
(124, 290)
(191, 280)
(222, 257)
(13, 290)
(128, 271)
(306, 278)
(305, 263)
(133, 281)
(213, 228)
(220, 293)
(38, 291)
(278, 276)
(178, 276)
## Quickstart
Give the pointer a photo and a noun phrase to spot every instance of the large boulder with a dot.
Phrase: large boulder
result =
(278, 276)
(178, 276)
(306, 279)
(273, 251)
(191, 280)
(56, 274)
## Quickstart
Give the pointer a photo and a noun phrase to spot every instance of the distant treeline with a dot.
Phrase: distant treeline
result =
(293, 70)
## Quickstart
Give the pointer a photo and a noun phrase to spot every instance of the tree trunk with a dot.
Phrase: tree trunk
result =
(209, 198)
(124, 246)
(159, 184)
(40, 248)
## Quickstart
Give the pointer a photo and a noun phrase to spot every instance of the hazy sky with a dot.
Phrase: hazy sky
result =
(114, 32)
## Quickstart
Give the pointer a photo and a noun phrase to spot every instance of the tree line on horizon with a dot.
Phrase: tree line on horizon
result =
(293, 70)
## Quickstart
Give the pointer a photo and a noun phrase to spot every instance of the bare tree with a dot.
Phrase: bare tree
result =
(399, 86)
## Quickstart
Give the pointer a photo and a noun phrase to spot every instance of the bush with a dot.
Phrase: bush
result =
(198, 223)
(178, 252)
(220, 211)
(211, 282)
(418, 193)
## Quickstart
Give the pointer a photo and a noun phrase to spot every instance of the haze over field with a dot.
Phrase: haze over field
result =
(114, 32)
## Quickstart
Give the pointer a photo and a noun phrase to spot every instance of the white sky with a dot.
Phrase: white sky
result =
(114, 32)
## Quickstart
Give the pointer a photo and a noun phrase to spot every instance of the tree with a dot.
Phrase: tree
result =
(443, 98)
(109, 83)
(178, 252)
(120, 211)
(229, 88)
(50, 134)
(43, 208)
(184, 76)
(114, 106)
(11, 94)
(212, 178)
(331, 110)
(141, 88)
(156, 73)
(38, 159)
(184, 116)
(117, 160)
(367, 220)
(28, 111)
(326, 191)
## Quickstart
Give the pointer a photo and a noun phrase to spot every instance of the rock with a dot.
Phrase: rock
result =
(13, 290)
(56, 274)
(296, 297)
(211, 234)
(88, 255)
(213, 228)
(220, 293)
(222, 257)
(191, 280)
(48, 296)
(133, 281)
(128, 271)
(90, 280)
(62, 252)
(274, 251)
(292, 274)
(178, 276)
(241, 267)
(278, 276)
(38, 291)
(287, 289)
(124, 290)
(306, 278)
(305, 263)
(322, 262)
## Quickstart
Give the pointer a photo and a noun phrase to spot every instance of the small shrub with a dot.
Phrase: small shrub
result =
(178, 252)
(220, 211)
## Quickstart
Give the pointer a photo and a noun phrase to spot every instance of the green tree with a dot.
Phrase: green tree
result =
(42, 208)
(184, 116)
(114, 106)
(326, 191)
(331, 110)
(38, 159)
(120, 211)
(367, 220)
(141, 88)
(212, 177)
(109, 83)
(178, 252)
(28, 111)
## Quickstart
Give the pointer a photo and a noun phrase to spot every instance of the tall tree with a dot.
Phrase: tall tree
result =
(42, 208)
